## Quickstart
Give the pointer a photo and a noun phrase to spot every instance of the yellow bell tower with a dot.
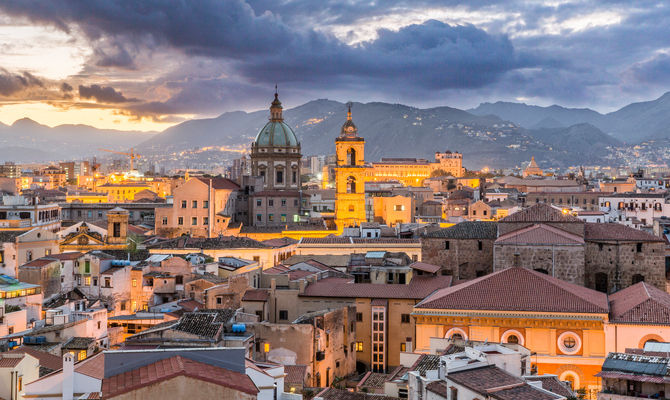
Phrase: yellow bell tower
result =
(350, 176)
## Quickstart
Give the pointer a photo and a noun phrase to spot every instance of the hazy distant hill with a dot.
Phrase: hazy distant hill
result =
(631, 124)
(30, 141)
(390, 130)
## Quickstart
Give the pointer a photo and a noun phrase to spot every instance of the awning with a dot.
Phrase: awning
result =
(631, 377)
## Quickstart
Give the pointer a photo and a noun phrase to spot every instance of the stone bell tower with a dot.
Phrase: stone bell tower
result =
(117, 226)
(350, 175)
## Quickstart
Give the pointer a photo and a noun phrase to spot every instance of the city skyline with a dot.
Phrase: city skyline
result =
(147, 66)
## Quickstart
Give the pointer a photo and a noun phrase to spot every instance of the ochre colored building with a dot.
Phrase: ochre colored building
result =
(561, 323)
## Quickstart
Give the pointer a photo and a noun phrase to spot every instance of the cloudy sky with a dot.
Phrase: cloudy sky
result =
(148, 64)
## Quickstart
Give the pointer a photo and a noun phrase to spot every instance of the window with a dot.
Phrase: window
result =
(280, 176)
(404, 318)
(259, 217)
(87, 266)
(283, 315)
(513, 339)
(480, 245)
(638, 247)
(283, 218)
(194, 220)
(569, 343)
(359, 317)
(359, 346)
(183, 204)
(108, 282)
(271, 203)
(194, 204)
(219, 300)
(117, 229)
(205, 204)
(47, 252)
(283, 202)
(453, 393)
(95, 281)
(399, 207)
(205, 220)
(81, 355)
(403, 346)
(134, 282)
(259, 202)
(19, 384)
(271, 217)
(637, 278)
(165, 221)
(29, 255)
(295, 203)
(87, 281)
(295, 177)
(446, 245)
(180, 221)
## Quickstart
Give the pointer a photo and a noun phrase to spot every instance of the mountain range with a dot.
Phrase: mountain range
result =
(497, 134)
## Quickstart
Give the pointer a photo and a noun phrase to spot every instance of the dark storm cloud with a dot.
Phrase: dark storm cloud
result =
(265, 49)
(12, 83)
(102, 94)
(654, 70)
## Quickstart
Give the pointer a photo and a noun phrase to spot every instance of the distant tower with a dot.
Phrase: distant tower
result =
(350, 176)
(117, 226)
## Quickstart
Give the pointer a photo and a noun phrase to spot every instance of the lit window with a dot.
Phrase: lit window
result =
(359, 346)
(81, 355)
(87, 281)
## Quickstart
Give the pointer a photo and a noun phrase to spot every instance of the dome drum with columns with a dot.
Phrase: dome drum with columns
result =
(275, 153)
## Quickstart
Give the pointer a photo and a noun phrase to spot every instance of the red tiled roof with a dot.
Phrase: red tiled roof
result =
(279, 242)
(45, 359)
(299, 274)
(277, 269)
(190, 305)
(552, 384)
(295, 374)
(73, 255)
(421, 266)
(93, 366)
(40, 262)
(418, 288)
(640, 304)
(540, 234)
(518, 289)
(172, 367)
(439, 387)
(540, 213)
(220, 183)
(12, 361)
(614, 231)
(493, 382)
(256, 295)
(341, 394)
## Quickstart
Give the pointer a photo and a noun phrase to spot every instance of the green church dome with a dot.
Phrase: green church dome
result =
(276, 133)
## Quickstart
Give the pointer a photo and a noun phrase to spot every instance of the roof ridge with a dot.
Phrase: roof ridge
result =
(563, 284)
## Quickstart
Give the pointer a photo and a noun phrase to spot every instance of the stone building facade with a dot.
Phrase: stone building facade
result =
(464, 250)
(603, 256)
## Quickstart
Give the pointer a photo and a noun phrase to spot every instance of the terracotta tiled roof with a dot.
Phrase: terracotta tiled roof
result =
(349, 240)
(279, 242)
(277, 269)
(640, 304)
(438, 387)
(418, 288)
(10, 236)
(190, 305)
(426, 362)
(498, 384)
(172, 367)
(220, 183)
(325, 259)
(540, 234)
(93, 366)
(10, 361)
(295, 374)
(73, 255)
(299, 274)
(374, 380)
(46, 360)
(523, 392)
(222, 242)
(614, 231)
(540, 213)
(425, 267)
(40, 262)
(552, 384)
(339, 394)
(518, 289)
(467, 230)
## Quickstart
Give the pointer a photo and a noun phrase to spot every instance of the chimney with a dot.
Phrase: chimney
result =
(68, 376)
(303, 284)
(273, 284)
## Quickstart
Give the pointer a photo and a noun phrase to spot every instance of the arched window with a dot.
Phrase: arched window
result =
(351, 208)
(637, 278)
(351, 156)
(512, 339)
(351, 184)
